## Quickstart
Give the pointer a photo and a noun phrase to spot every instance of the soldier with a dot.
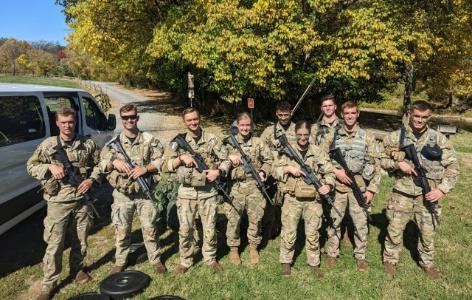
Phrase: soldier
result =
(244, 191)
(65, 198)
(328, 123)
(145, 151)
(362, 155)
(302, 200)
(197, 194)
(437, 156)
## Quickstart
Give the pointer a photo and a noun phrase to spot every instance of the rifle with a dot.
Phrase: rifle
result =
(248, 166)
(421, 180)
(72, 173)
(335, 153)
(201, 166)
(309, 177)
(305, 93)
(115, 144)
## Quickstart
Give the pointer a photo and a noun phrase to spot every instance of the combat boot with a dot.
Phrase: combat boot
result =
(330, 262)
(159, 268)
(318, 273)
(286, 270)
(432, 273)
(180, 270)
(45, 295)
(117, 269)
(389, 269)
(362, 265)
(254, 254)
(82, 277)
(234, 256)
(215, 266)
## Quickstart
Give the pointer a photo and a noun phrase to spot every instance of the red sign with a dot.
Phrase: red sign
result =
(250, 102)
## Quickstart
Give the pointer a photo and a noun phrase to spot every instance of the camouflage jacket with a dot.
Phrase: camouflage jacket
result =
(83, 153)
(146, 149)
(193, 184)
(269, 139)
(364, 163)
(258, 152)
(320, 132)
(441, 174)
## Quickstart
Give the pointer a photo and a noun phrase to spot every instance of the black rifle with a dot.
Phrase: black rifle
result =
(248, 166)
(201, 166)
(421, 180)
(115, 144)
(310, 177)
(73, 176)
(335, 153)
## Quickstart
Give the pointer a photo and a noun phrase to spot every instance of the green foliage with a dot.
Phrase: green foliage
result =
(38, 80)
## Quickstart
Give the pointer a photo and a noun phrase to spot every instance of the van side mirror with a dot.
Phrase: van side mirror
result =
(111, 122)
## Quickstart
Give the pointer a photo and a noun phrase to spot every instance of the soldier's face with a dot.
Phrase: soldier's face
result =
(66, 124)
(303, 136)
(328, 108)
(283, 116)
(419, 119)
(192, 121)
(244, 126)
(350, 116)
(129, 119)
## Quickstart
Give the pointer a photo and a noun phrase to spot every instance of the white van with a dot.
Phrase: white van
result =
(27, 117)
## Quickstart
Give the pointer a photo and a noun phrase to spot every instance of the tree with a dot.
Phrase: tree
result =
(9, 53)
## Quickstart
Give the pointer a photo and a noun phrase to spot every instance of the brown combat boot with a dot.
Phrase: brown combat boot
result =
(432, 273)
(286, 270)
(254, 254)
(318, 273)
(330, 262)
(389, 269)
(159, 268)
(117, 269)
(362, 265)
(180, 270)
(234, 256)
(215, 266)
(45, 295)
(82, 277)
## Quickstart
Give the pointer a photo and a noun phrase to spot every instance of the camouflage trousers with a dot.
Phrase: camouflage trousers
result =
(359, 220)
(246, 196)
(123, 210)
(188, 210)
(56, 224)
(292, 211)
(401, 209)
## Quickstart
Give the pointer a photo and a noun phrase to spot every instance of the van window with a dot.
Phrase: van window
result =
(21, 119)
(94, 117)
(53, 103)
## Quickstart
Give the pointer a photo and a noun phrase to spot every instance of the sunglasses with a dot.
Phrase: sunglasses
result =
(131, 117)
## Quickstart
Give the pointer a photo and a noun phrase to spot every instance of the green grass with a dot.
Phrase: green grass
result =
(453, 258)
(39, 80)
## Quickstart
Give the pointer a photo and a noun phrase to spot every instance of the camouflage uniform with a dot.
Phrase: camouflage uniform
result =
(64, 203)
(407, 199)
(196, 196)
(129, 198)
(269, 135)
(245, 194)
(362, 155)
(302, 201)
(321, 131)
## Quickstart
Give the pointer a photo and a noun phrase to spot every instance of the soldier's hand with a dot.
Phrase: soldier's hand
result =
(296, 172)
(211, 175)
(406, 168)
(57, 171)
(324, 189)
(262, 175)
(84, 186)
(235, 159)
(137, 171)
(368, 195)
(434, 195)
(121, 166)
(342, 176)
(187, 160)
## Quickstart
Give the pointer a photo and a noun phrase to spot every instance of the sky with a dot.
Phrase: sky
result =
(33, 20)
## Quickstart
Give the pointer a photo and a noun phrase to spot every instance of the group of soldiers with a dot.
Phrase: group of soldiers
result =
(201, 162)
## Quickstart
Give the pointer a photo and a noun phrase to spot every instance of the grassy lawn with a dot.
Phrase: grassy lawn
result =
(39, 80)
(453, 258)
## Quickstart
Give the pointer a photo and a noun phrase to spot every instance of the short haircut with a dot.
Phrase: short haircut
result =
(190, 110)
(421, 105)
(65, 112)
(303, 124)
(128, 107)
(243, 115)
(349, 104)
(328, 97)
(283, 106)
